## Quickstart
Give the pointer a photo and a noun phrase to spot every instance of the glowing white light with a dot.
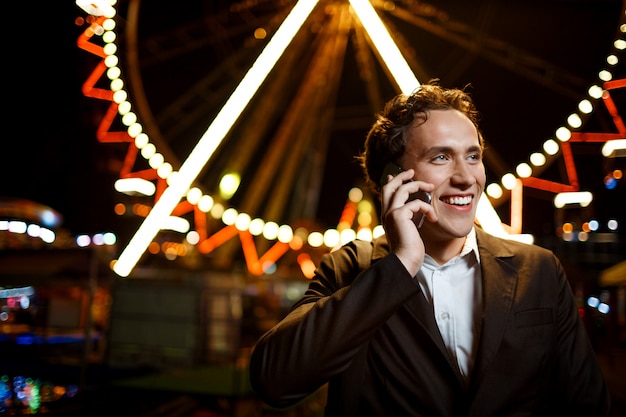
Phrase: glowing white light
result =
(582, 198)
(315, 239)
(595, 91)
(614, 148)
(285, 233)
(386, 47)
(132, 186)
(524, 170)
(256, 226)
(537, 159)
(563, 134)
(551, 147)
(574, 121)
(494, 190)
(243, 221)
(585, 106)
(509, 181)
(229, 216)
(270, 230)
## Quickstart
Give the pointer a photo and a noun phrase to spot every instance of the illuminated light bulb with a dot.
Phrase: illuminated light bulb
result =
(217, 210)
(113, 73)
(117, 84)
(120, 97)
(47, 235)
(134, 130)
(285, 233)
(192, 237)
(242, 222)
(270, 231)
(256, 226)
(331, 238)
(620, 44)
(109, 36)
(612, 224)
(129, 118)
(83, 241)
(603, 308)
(148, 150)
(193, 195)
(260, 33)
(551, 147)
(509, 181)
(205, 203)
(563, 134)
(365, 206)
(494, 190)
(229, 185)
(229, 216)
(124, 107)
(364, 219)
(605, 75)
(355, 195)
(111, 61)
(364, 233)
(165, 170)
(594, 225)
(33, 230)
(110, 49)
(315, 239)
(537, 159)
(585, 106)
(612, 60)
(156, 160)
(141, 140)
(347, 235)
(595, 91)
(524, 170)
(574, 121)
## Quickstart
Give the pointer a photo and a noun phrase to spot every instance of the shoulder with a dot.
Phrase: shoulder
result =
(346, 262)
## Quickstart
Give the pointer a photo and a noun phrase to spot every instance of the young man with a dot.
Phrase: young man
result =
(437, 317)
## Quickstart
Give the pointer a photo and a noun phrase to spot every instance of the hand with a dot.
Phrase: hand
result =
(400, 216)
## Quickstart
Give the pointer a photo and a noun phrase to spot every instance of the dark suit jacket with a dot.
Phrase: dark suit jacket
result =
(370, 333)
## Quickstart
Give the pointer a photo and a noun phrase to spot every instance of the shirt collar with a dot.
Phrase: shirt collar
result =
(470, 245)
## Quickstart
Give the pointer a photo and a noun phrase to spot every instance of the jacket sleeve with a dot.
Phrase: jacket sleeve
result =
(325, 329)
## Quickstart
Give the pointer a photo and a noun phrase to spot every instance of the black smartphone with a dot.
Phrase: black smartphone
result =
(394, 169)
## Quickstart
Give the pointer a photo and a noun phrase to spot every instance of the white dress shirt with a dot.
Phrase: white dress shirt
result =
(454, 289)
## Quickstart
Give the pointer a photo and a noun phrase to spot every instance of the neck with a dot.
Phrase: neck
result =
(445, 249)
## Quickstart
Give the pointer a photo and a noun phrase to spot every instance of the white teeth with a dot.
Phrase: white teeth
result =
(459, 201)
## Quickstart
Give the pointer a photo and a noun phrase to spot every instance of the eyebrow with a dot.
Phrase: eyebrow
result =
(448, 149)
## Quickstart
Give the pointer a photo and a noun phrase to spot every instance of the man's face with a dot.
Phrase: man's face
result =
(445, 151)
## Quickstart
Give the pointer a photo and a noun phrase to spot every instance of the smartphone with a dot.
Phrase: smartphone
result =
(394, 169)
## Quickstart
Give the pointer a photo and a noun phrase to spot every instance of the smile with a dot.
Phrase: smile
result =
(458, 201)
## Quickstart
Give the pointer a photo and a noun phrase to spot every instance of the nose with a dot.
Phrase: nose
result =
(463, 174)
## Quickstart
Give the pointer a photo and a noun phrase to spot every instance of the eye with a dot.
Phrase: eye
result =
(476, 157)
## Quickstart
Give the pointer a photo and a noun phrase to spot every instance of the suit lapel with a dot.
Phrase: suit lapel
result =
(499, 285)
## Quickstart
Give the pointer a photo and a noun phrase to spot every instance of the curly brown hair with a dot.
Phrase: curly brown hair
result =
(386, 139)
